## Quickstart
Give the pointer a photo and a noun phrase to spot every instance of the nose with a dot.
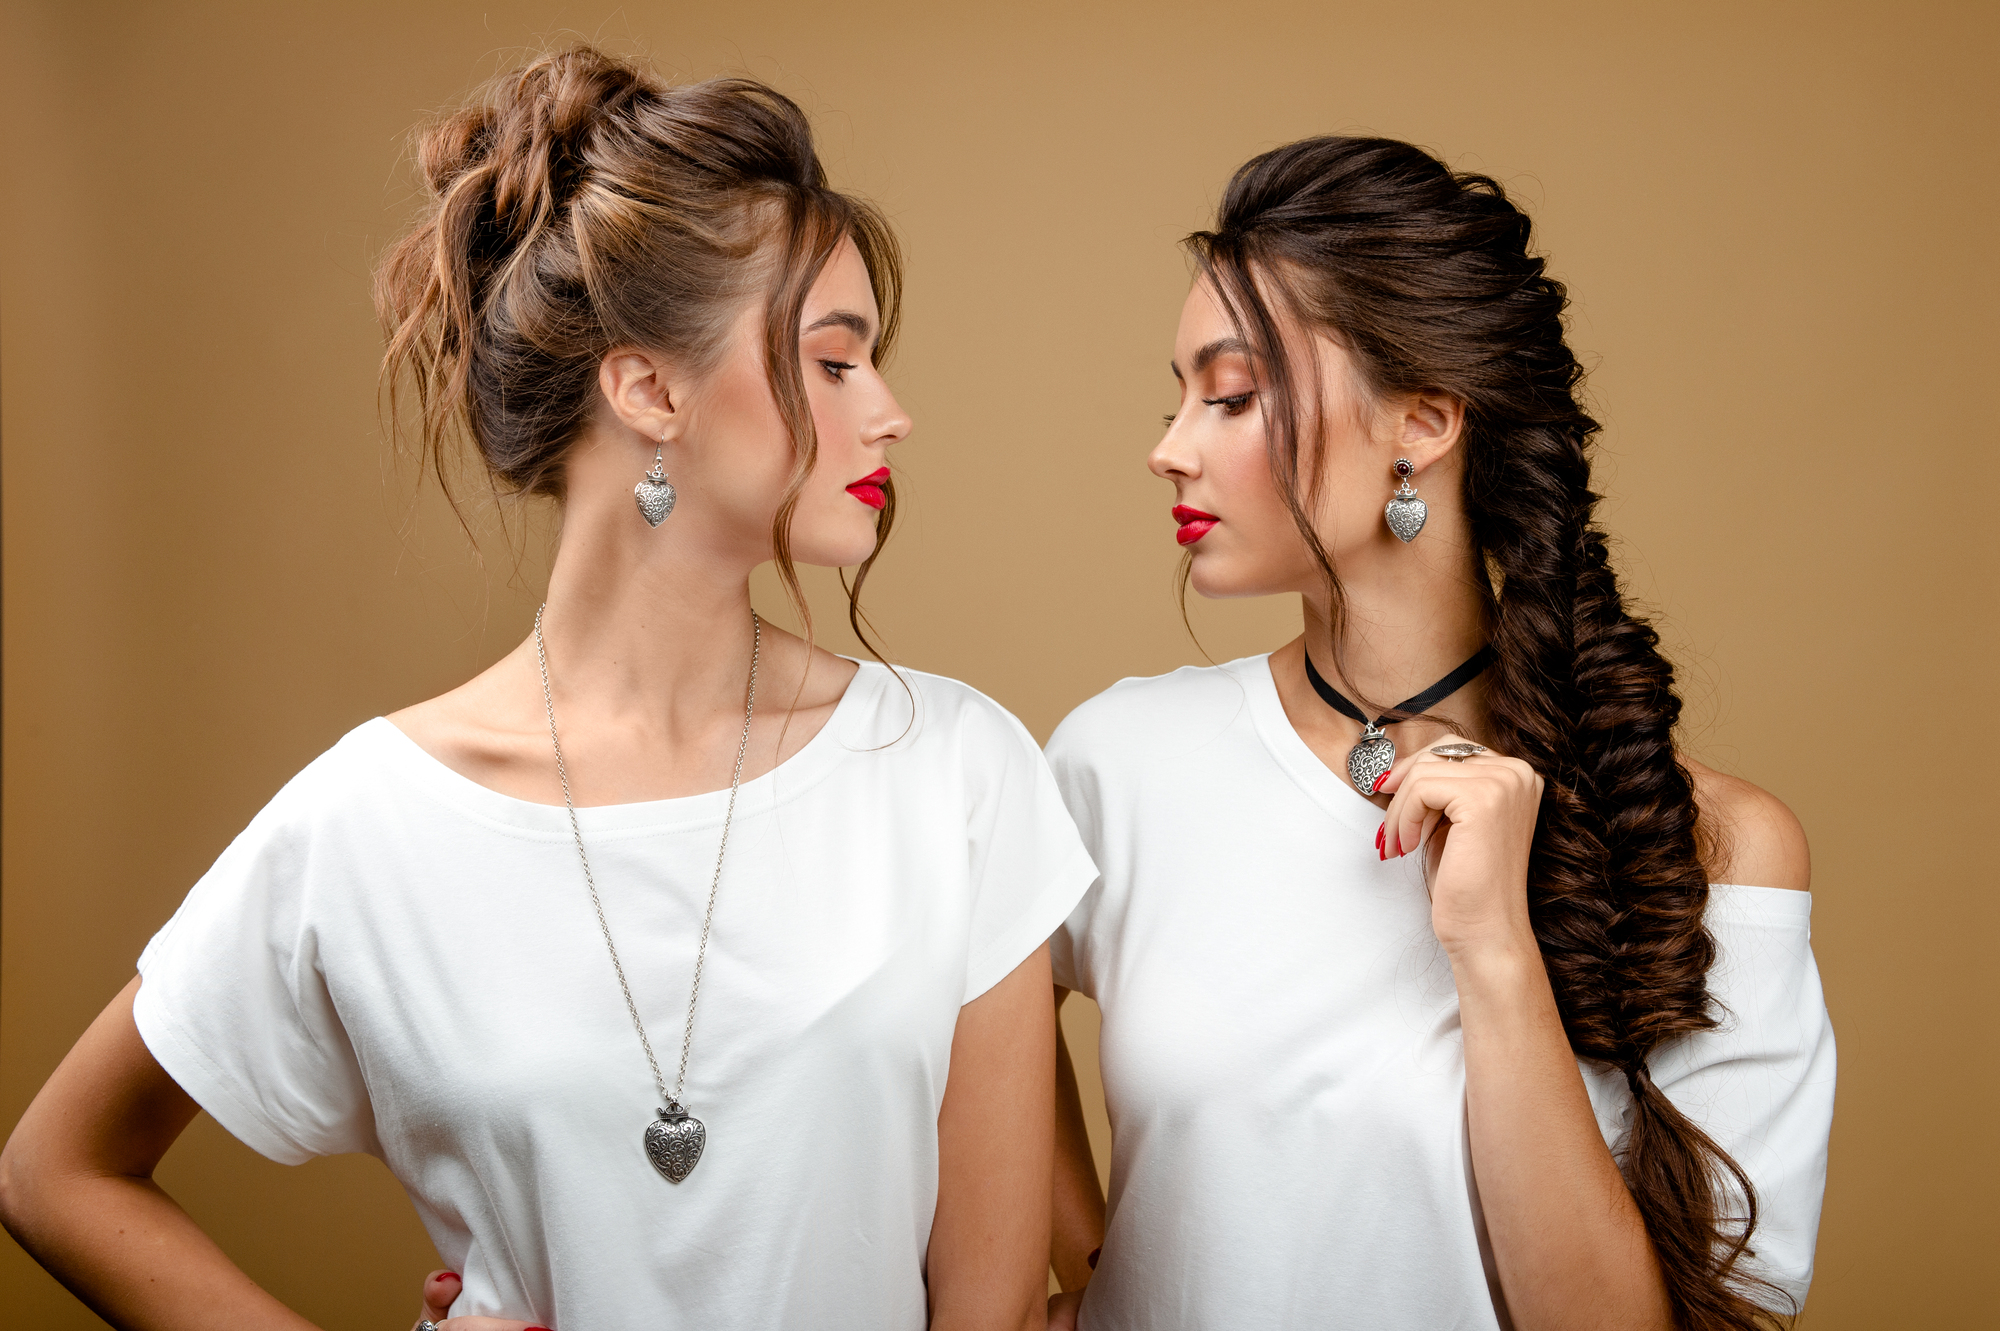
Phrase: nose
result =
(1171, 459)
(892, 424)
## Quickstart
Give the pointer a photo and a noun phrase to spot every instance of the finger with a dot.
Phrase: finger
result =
(1419, 806)
(1062, 1310)
(441, 1290)
(1399, 771)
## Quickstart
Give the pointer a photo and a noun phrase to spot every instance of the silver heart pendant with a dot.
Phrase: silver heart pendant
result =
(674, 1141)
(656, 497)
(1374, 755)
(1406, 517)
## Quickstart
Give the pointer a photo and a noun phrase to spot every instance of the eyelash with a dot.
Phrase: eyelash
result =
(836, 367)
(1231, 406)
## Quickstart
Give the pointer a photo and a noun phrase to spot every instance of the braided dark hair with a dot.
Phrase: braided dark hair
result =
(1425, 277)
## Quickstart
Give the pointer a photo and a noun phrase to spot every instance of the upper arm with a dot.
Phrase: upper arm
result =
(989, 1248)
(1756, 840)
(109, 1108)
(1003, 1048)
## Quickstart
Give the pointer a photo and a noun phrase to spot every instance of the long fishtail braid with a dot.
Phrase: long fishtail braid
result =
(1426, 277)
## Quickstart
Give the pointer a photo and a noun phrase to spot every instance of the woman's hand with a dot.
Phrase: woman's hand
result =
(441, 1290)
(1476, 819)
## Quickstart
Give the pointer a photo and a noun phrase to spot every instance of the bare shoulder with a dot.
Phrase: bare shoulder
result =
(1757, 841)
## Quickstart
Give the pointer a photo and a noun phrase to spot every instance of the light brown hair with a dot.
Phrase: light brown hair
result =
(580, 205)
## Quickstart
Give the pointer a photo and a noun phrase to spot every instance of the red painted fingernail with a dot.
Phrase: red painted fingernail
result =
(451, 1275)
(1376, 789)
(1378, 835)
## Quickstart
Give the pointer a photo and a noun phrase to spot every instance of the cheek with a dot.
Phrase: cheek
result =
(831, 427)
(1245, 470)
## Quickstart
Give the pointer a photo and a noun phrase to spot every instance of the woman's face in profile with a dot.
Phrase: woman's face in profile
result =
(1228, 509)
(745, 456)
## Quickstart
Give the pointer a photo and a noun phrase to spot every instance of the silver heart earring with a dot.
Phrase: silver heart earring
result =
(1406, 512)
(655, 496)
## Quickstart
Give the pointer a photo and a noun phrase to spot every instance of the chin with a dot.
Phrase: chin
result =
(834, 545)
(1221, 579)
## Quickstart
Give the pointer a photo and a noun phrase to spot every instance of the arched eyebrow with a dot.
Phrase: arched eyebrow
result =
(1222, 346)
(848, 319)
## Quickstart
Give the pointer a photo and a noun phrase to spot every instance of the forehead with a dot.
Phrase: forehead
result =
(1203, 319)
(842, 285)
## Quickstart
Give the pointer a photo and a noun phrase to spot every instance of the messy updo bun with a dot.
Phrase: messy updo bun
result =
(582, 205)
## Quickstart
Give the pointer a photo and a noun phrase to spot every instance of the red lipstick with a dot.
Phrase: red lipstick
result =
(1195, 524)
(869, 488)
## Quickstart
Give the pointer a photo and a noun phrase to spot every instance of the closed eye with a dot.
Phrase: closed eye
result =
(1231, 406)
(836, 369)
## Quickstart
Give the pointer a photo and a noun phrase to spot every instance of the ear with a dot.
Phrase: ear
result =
(640, 390)
(1427, 427)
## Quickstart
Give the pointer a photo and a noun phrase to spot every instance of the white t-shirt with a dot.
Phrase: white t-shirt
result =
(1281, 1045)
(397, 960)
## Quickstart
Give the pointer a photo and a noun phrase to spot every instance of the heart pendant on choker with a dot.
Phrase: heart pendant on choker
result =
(1375, 753)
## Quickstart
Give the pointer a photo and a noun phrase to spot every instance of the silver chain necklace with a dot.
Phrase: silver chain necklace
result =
(674, 1141)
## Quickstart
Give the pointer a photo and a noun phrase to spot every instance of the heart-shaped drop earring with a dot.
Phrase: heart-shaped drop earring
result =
(1406, 512)
(655, 496)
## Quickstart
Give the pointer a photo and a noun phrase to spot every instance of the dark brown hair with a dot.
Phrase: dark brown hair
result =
(1426, 278)
(582, 205)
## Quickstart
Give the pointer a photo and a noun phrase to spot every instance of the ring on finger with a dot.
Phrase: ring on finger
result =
(1458, 753)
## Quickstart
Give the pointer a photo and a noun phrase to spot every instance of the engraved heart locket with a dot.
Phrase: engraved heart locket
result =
(1406, 516)
(1374, 755)
(655, 496)
(1406, 512)
(675, 1139)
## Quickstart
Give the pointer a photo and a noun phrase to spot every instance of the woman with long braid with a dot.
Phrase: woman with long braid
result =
(1440, 989)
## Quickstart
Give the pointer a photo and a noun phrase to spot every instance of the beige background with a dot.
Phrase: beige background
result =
(1776, 219)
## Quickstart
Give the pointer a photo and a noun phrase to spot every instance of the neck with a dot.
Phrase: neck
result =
(647, 626)
(1411, 615)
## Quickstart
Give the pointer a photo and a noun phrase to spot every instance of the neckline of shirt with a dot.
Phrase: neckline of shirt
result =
(1292, 754)
(789, 779)
(1281, 739)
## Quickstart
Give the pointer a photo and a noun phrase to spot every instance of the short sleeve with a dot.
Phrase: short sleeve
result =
(1076, 781)
(233, 1004)
(1761, 1084)
(1028, 865)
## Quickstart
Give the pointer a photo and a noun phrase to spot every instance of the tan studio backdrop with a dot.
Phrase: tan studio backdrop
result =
(1776, 219)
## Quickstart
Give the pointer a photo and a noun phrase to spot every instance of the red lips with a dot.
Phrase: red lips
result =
(1195, 524)
(869, 488)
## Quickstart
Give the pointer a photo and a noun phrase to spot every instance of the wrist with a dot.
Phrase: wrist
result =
(1498, 964)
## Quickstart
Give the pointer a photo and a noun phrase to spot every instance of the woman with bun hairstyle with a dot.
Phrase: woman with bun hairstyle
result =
(1439, 988)
(686, 974)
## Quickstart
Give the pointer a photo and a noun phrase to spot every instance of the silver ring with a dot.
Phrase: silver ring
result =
(426, 1325)
(1458, 753)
